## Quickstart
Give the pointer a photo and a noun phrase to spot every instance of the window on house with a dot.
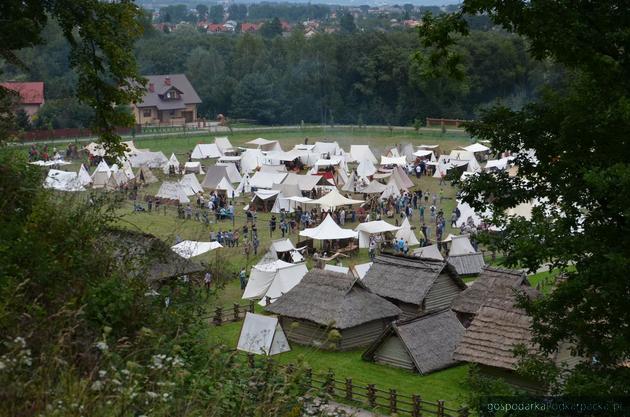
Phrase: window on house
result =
(172, 112)
(146, 113)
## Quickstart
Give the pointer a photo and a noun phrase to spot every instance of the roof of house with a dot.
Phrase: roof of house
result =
(30, 92)
(333, 299)
(467, 264)
(429, 340)
(146, 256)
(404, 278)
(496, 330)
(491, 282)
(158, 85)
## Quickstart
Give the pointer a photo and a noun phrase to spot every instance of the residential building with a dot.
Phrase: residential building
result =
(31, 95)
(169, 99)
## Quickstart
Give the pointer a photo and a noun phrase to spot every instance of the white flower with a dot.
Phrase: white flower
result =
(102, 346)
(20, 340)
(96, 386)
(102, 373)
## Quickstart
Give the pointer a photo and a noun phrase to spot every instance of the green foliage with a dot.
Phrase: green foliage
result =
(346, 23)
(216, 13)
(580, 176)
(253, 98)
(61, 113)
(271, 28)
(22, 121)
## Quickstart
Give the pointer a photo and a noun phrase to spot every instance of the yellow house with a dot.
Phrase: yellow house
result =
(169, 99)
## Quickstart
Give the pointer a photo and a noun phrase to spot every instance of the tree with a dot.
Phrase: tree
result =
(571, 150)
(202, 11)
(216, 13)
(100, 54)
(237, 12)
(253, 99)
(22, 120)
(271, 28)
(346, 23)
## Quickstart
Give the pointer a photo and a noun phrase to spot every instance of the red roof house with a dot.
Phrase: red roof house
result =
(31, 95)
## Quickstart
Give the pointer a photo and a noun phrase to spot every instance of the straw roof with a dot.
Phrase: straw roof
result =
(406, 279)
(491, 282)
(146, 256)
(429, 340)
(468, 264)
(330, 298)
(497, 329)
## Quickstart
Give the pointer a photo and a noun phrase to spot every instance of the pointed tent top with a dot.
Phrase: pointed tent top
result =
(366, 168)
(328, 230)
(407, 234)
(335, 199)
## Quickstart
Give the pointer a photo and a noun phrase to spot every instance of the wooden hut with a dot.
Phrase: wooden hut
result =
(467, 265)
(497, 329)
(416, 286)
(423, 344)
(325, 301)
(492, 282)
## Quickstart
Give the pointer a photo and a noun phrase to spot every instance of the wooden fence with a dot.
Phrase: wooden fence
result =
(432, 121)
(231, 314)
(371, 397)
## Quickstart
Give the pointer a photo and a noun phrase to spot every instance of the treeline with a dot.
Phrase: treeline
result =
(357, 78)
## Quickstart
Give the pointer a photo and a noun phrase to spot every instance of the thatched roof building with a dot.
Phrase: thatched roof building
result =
(325, 301)
(467, 265)
(148, 257)
(492, 282)
(424, 344)
(416, 286)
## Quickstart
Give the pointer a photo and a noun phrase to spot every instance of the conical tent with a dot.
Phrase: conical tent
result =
(100, 176)
(112, 183)
(144, 175)
(361, 152)
(374, 187)
(366, 168)
(460, 245)
(244, 186)
(224, 185)
(83, 177)
(126, 167)
(328, 230)
(262, 335)
(334, 199)
(428, 252)
(402, 178)
(232, 173)
(407, 234)
(170, 190)
(191, 184)
(391, 190)
(172, 162)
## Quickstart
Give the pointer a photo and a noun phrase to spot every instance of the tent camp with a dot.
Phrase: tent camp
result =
(63, 181)
(405, 233)
(232, 173)
(360, 153)
(272, 280)
(366, 168)
(262, 335)
(172, 164)
(306, 182)
(367, 229)
(100, 176)
(190, 248)
(83, 177)
(328, 230)
(266, 180)
(148, 159)
(334, 199)
(424, 344)
(191, 184)
(214, 175)
(205, 151)
(145, 176)
(194, 167)
(170, 190)
(428, 252)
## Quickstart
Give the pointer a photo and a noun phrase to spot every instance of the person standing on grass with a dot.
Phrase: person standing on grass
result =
(272, 225)
(237, 235)
(242, 276)
(207, 281)
(255, 243)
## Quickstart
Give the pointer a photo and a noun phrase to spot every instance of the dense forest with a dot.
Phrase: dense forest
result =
(355, 78)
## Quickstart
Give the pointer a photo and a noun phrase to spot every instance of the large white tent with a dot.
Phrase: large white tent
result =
(100, 176)
(428, 252)
(393, 160)
(372, 228)
(171, 190)
(265, 144)
(232, 173)
(328, 230)
(244, 186)
(224, 144)
(225, 185)
(476, 147)
(407, 234)
(63, 181)
(273, 279)
(172, 162)
(191, 184)
(148, 159)
(330, 148)
(305, 182)
(374, 187)
(251, 159)
(266, 179)
(194, 167)
(366, 168)
(334, 199)
(83, 177)
(425, 153)
(359, 153)
(262, 335)
(205, 151)
(461, 155)
(190, 248)
(460, 245)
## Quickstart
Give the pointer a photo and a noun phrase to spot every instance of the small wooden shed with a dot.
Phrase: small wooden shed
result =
(423, 344)
(330, 310)
(416, 286)
(492, 282)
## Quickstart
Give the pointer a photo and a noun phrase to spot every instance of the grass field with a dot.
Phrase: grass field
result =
(447, 384)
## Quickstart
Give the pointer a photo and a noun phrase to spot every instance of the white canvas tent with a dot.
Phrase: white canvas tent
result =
(407, 234)
(170, 190)
(100, 176)
(244, 186)
(273, 279)
(467, 212)
(172, 162)
(63, 181)
(232, 173)
(460, 245)
(394, 160)
(214, 175)
(401, 178)
(127, 169)
(148, 159)
(191, 184)
(282, 246)
(461, 155)
(425, 153)
(374, 187)
(193, 167)
(334, 199)
(366, 168)
(83, 177)
(372, 228)
(360, 270)
(223, 144)
(331, 148)
(428, 252)
(251, 159)
(190, 248)
(407, 151)
(359, 153)
(498, 164)
(262, 335)
(145, 175)
(225, 185)
(266, 179)
(476, 147)
(328, 230)
(355, 184)
(205, 151)
(273, 168)
(305, 182)
(391, 190)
